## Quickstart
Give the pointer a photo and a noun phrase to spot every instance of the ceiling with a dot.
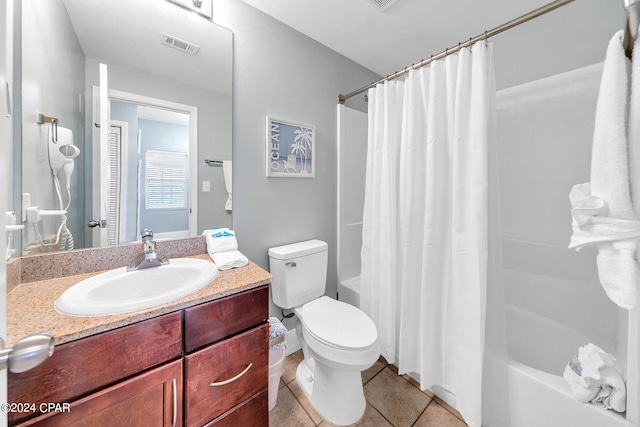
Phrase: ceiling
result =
(128, 33)
(388, 40)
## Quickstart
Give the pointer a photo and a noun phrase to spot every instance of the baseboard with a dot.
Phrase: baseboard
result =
(293, 342)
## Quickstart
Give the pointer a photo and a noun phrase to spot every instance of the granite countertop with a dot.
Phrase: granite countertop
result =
(30, 306)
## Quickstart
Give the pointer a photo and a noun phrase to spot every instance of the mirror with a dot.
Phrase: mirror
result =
(169, 81)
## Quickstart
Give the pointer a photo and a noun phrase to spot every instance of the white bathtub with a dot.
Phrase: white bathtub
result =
(539, 349)
(349, 291)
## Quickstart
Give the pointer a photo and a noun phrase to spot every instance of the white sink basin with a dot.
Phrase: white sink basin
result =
(119, 291)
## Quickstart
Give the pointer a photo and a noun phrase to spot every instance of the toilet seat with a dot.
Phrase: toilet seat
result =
(339, 325)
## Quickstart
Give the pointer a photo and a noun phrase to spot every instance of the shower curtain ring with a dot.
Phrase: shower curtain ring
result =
(486, 38)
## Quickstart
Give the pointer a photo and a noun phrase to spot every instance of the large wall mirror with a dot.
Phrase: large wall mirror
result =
(160, 77)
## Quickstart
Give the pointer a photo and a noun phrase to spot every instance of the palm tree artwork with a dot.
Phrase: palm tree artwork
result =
(302, 141)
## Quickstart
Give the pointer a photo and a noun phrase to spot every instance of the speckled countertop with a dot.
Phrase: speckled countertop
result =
(30, 306)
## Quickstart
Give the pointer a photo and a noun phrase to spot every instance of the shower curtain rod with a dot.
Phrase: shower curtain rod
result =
(484, 36)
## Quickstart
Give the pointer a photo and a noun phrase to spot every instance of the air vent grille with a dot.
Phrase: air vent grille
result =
(383, 4)
(179, 44)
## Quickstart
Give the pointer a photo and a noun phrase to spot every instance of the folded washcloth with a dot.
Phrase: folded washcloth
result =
(592, 377)
(228, 260)
(276, 329)
(220, 240)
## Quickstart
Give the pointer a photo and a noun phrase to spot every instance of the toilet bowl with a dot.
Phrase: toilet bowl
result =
(339, 340)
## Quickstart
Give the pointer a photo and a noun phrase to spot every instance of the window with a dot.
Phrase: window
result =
(165, 180)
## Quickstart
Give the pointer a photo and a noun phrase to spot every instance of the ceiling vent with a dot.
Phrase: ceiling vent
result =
(383, 4)
(179, 44)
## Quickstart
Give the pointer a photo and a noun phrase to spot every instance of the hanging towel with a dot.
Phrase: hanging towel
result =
(229, 259)
(602, 212)
(633, 135)
(220, 240)
(592, 377)
(226, 172)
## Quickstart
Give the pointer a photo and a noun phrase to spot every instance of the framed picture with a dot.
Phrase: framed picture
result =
(290, 149)
(203, 7)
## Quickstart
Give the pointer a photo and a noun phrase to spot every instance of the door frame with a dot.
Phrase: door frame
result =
(190, 110)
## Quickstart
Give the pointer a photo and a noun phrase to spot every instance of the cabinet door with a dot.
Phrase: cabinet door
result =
(151, 399)
(82, 367)
(225, 374)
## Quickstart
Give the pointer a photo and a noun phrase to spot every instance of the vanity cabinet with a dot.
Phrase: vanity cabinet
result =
(158, 372)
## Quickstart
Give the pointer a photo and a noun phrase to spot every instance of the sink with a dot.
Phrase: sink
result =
(118, 291)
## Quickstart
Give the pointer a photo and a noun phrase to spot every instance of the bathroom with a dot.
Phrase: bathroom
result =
(277, 71)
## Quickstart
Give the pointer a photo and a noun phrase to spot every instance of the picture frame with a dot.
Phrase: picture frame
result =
(290, 149)
(202, 7)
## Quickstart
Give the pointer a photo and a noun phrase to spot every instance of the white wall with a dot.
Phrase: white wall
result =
(570, 37)
(352, 160)
(545, 130)
(280, 72)
(52, 84)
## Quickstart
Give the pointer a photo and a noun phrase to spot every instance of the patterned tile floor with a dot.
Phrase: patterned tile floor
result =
(392, 400)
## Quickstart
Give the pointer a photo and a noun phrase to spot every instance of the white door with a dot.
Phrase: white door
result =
(101, 168)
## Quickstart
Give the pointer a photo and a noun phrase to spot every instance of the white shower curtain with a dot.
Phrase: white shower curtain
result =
(424, 253)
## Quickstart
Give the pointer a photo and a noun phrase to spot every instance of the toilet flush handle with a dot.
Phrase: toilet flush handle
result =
(291, 264)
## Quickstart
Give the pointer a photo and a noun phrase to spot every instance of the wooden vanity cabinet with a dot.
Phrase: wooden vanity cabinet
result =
(158, 371)
(80, 368)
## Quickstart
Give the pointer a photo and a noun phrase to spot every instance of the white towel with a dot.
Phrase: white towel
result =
(633, 135)
(226, 173)
(602, 211)
(228, 260)
(220, 240)
(592, 377)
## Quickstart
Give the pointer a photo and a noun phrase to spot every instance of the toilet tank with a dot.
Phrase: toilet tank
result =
(299, 272)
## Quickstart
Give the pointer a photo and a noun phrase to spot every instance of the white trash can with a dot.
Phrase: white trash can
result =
(276, 369)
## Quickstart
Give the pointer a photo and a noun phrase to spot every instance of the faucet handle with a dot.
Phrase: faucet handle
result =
(147, 232)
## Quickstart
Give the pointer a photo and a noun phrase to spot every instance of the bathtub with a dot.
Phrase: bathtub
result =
(349, 291)
(539, 349)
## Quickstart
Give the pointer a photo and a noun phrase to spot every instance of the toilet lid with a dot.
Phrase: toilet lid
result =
(339, 324)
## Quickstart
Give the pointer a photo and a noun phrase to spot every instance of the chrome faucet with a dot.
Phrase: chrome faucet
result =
(149, 255)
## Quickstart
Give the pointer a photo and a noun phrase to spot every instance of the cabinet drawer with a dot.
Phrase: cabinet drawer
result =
(83, 366)
(216, 320)
(253, 412)
(218, 364)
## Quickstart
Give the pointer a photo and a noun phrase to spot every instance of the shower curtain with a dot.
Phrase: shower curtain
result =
(424, 251)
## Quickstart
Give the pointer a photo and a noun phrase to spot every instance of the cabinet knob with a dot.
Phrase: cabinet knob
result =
(27, 353)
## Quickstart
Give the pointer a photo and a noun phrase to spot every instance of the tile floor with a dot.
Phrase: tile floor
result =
(392, 400)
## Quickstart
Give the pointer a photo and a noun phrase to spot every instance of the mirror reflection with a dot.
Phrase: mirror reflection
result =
(160, 76)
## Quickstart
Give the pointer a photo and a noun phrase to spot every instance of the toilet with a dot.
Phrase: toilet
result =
(339, 341)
